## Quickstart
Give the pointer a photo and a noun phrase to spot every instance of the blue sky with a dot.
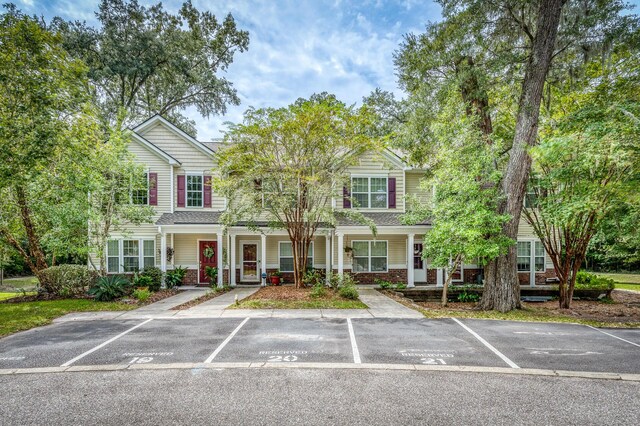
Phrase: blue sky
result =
(296, 47)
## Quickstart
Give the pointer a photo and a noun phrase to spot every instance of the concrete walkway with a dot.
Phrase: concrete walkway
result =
(379, 306)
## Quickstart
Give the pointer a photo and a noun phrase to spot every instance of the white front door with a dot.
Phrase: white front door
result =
(250, 267)
(419, 264)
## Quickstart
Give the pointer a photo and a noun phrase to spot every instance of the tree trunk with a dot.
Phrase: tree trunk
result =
(502, 289)
(447, 282)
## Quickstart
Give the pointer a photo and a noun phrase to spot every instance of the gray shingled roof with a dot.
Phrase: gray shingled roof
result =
(189, 218)
(380, 219)
(213, 218)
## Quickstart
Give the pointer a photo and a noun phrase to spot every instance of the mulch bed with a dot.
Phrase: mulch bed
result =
(625, 308)
(289, 292)
(208, 296)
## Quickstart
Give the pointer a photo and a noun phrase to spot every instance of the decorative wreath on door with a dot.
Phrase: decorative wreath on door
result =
(208, 252)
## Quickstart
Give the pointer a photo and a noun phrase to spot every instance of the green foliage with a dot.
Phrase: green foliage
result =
(139, 280)
(348, 292)
(68, 280)
(383, 284)
(464, 208)
(283, 164)
(47, 135)
(212, 274)
(110, 287)
(318, 291)
(466, 296)
(141, 294)
(313, 278)
(589, 281)
(148, 61)
(155, 274)
(175, 277)
(336, 281)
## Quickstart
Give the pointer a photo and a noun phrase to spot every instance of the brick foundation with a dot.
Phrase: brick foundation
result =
(393, 275)
(191, 277)
(541, 277)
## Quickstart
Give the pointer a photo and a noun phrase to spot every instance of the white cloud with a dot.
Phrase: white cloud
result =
(298, 48)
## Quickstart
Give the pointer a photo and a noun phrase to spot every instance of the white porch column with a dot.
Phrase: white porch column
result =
(163, 251)
(263, 258)
(220, 260)
(163, 254)
(410, 277)
(340, 249)
(440, 277)
(232, 261)
(327, 256)
(173, 246)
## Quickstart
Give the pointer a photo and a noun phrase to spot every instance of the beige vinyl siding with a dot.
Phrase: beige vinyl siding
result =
(185, 248)
(413, 187)
(192, 160)
(396, 250)
(376, 164)
(155, 164)
(526, 232)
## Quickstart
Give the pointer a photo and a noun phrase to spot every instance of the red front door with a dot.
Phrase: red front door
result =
(208, 254)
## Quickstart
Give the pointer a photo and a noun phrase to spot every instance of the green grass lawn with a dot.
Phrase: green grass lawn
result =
(621, 278)
(22, 282)
(25, 315)
(5, 296)
(624, 281)
(298, 304)
(526, 314)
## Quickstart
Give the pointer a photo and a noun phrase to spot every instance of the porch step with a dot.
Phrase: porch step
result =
(539, 299)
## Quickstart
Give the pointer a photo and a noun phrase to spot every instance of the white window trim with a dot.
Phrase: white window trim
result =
(311, 246)
(141, 255)
(532, 255)
(369, 177)
(146, 172)
(369, 271)
(186, 190)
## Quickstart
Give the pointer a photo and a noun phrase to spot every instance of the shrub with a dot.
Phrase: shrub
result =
(156, 277)
(212, 274)
(69, 280)
(383, 284)
(312, 278)
(141, 294)
(318, 291)
(110, 288)
(468, 297)
(175, 277)
(139, 280)
(401, 286)
(348, 292)
(588, 281)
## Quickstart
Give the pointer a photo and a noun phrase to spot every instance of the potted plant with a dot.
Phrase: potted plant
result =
(275, 278)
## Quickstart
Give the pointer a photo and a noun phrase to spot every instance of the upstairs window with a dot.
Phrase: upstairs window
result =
(194, 191)
(140, 191)
(370, 192)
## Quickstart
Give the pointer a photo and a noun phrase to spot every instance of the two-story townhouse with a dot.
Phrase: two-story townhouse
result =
(187, 231)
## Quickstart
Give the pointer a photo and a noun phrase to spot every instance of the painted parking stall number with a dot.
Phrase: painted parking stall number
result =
(282, 356)
(145, 358)
(429, 357)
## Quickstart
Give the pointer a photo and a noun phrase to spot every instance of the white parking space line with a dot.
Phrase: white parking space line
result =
(487, 344)
(615, 337)
(101, 345)
(227, 340)
(354, 345)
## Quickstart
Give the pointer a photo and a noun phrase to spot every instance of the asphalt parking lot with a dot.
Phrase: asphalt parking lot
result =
(369, 341)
